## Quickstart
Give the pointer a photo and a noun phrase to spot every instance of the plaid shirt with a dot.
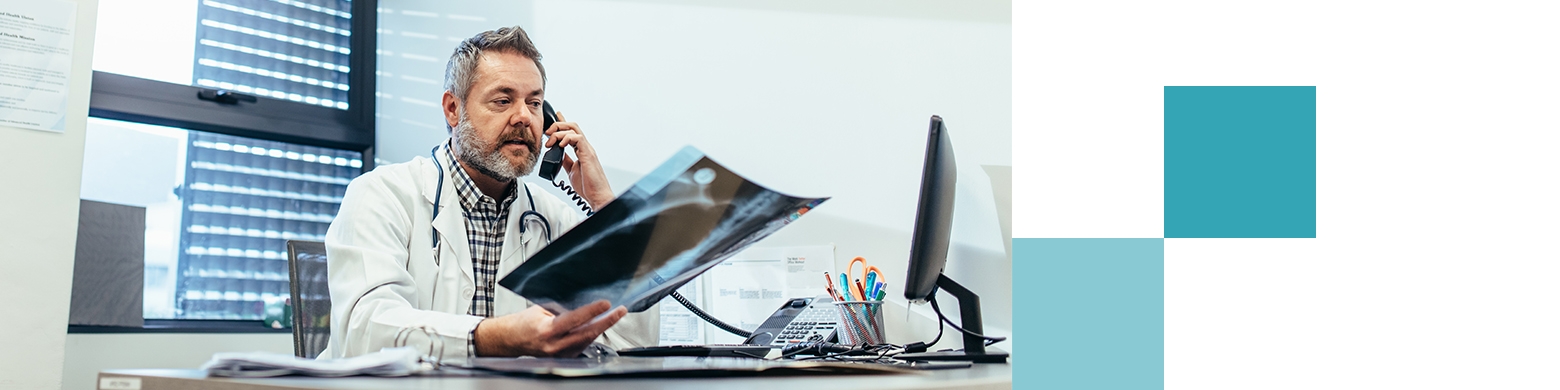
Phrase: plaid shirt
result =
(486, 220)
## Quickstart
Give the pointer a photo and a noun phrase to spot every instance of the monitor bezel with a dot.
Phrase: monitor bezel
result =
(930, 241)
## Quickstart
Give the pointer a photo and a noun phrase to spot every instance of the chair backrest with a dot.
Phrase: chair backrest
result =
(310, 297)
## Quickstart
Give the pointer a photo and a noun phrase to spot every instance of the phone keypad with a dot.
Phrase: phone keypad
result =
(814, 324)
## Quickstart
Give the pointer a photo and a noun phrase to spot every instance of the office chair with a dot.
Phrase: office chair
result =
(310, 297)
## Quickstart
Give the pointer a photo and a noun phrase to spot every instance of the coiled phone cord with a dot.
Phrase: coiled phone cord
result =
(578, 201)
(711, 319)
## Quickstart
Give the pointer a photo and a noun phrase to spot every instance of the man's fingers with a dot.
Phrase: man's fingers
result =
(562, 126)
(576, 339)
(565, 322)
(560, 130)
(588, 332)
(572, 125)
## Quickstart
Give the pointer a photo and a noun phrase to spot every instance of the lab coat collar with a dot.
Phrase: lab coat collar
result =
(452, 226)
(450, 222)
(430, 174)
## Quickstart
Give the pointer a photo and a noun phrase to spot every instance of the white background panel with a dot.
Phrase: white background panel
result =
(1403, 95)
(1435, 264)
(1359, 312)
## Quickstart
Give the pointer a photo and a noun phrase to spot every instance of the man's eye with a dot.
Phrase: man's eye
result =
(536, 104)
(501, 101)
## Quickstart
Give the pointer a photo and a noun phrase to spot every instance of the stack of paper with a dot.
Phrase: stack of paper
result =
(387, 362)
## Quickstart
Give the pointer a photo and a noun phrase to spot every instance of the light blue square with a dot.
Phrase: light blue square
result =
(1090, 312)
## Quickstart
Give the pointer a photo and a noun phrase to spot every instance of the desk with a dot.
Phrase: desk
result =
(981, 376)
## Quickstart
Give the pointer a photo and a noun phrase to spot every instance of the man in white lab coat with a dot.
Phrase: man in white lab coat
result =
(417, 248)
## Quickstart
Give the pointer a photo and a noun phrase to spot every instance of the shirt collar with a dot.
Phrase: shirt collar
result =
(470, 196)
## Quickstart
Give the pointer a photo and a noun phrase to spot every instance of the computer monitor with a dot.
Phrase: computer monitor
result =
(929, 250)
(933, 215)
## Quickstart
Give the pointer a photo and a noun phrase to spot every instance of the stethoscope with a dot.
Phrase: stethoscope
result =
(525, 217)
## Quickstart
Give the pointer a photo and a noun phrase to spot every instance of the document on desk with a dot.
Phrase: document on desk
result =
(36, 40)
(675, 366)
(678, 325)
(400, 361)
(747, 288)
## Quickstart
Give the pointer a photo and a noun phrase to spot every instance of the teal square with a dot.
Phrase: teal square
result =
(1240, 162)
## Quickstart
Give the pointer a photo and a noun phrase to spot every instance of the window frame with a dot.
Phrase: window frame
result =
(184, 326)
(132, 99)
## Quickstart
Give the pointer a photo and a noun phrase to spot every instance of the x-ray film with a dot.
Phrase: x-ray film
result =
(685, 217)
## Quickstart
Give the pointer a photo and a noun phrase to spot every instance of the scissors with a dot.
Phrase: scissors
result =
(869, 275)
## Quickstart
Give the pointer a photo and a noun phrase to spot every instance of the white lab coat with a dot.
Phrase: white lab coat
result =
(384, 282)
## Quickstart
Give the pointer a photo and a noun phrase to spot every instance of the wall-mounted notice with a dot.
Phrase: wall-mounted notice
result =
(36, 38)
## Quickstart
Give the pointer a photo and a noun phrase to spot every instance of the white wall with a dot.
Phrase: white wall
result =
(415, 41)
(41, 176)
(812, 98)
(88, 354)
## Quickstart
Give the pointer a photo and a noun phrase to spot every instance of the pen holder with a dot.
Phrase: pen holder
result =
(862, 322)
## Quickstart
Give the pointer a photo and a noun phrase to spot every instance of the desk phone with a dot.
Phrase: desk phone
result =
(799, 320)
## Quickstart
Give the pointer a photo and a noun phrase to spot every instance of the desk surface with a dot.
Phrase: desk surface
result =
(981, 376)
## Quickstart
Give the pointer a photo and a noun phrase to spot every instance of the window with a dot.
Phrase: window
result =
(297, 50)
(285, 49)
(219, 211)
(237, 124)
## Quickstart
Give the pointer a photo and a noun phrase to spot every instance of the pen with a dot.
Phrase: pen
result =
(829, 282)
(860, 291)
(880, 295)
(871, 277)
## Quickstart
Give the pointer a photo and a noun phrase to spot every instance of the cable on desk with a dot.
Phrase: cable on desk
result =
(989, 340)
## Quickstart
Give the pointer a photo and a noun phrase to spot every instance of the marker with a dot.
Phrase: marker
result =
(845, 287)
(877, 291)
(881, 293)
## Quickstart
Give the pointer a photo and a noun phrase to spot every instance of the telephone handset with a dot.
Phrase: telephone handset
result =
(554, 157)
(552, 161)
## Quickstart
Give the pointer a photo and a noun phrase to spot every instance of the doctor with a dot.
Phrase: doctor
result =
(417, 247)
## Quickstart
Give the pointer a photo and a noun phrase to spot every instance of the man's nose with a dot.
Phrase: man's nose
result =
(522, 118)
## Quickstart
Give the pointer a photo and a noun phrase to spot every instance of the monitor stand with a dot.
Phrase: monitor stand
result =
(969, 312)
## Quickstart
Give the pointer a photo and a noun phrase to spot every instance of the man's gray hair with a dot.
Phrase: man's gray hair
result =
(459, 74)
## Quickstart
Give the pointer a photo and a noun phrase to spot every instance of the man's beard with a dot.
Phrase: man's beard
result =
(486, 157)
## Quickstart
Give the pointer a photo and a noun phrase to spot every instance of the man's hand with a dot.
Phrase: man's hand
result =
(535, 332)
(585, 173)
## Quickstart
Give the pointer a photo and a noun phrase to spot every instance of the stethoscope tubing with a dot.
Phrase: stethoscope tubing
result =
(438, 195)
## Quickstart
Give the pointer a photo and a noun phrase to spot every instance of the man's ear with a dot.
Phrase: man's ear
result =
(451, 107)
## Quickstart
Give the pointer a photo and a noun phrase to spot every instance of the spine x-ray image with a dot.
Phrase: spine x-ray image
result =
(682, 219)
